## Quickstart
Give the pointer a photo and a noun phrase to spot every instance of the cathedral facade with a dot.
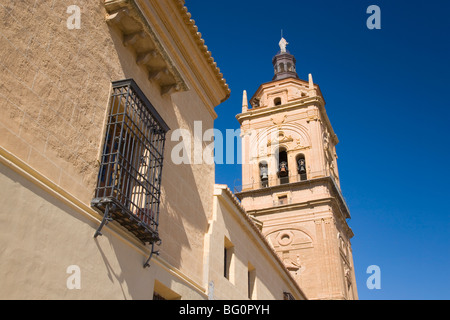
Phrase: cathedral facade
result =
(291, 181)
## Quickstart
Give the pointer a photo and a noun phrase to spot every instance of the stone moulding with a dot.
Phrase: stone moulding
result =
(190, 23)
(139, 36)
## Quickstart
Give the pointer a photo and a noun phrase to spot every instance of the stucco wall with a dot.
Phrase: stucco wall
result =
(229, 222)
(54, 94)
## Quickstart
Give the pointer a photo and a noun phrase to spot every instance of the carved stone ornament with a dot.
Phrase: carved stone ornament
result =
(278, 119)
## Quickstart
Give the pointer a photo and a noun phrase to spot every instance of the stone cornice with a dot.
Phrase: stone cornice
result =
(265, 111)
(337, 195)
(282, 83)
(167, 43)
(317, 100)
(197, 36)
(137, 34)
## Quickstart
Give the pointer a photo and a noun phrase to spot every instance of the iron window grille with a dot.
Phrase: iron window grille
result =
(288, 296)
(129, 181)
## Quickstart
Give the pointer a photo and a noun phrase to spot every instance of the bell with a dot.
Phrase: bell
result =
(301, 166)
(264, 172)
(283, 169)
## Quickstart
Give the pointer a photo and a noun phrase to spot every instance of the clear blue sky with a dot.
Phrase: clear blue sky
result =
(387, 99)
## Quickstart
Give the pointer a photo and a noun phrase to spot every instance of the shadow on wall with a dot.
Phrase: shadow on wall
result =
(184, 206)
(44, 236)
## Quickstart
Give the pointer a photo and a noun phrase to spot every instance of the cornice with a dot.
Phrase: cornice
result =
(126, 16)
(197, 36)
(338, 198)
(317, 100)
(266, 111)
(282, 83)
(167, 28)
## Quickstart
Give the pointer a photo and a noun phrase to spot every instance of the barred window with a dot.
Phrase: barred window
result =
(129, 181)
(288, 296)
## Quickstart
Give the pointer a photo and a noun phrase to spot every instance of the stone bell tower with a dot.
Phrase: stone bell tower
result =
(290, 181)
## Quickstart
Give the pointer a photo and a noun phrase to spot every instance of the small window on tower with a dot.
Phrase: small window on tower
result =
(282, 200)
(277, 101)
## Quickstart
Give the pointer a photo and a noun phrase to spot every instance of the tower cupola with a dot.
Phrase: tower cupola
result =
(284, 63)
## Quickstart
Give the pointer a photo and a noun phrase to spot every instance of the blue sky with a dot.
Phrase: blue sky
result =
(386, 93)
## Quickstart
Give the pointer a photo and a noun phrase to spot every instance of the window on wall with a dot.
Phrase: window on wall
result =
(282, 200)
(157, 296)
(288, 296)
(129, 180)
(228, 260)
(251, 277)
(162, 292)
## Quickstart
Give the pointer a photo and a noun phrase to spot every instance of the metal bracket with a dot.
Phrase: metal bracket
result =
(147, 263)
(106, 219)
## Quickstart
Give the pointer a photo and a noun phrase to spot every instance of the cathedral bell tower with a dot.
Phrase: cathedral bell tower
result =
(291, 181)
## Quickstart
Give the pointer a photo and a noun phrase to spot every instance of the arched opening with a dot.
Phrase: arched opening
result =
(264, 174)
(283, 170)
(289, 66)
(281, 67)
(301, 167)
(277, 101)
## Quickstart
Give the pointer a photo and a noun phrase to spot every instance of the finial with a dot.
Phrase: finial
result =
(244, 102)
(283, 43)
(312, 91)
(311, 82)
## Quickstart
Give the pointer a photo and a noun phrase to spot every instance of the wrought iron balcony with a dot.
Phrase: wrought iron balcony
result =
(129, 181)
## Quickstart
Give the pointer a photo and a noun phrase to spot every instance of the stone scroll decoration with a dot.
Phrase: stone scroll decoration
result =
(139, 36)
(290, 245)
(265, 142)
